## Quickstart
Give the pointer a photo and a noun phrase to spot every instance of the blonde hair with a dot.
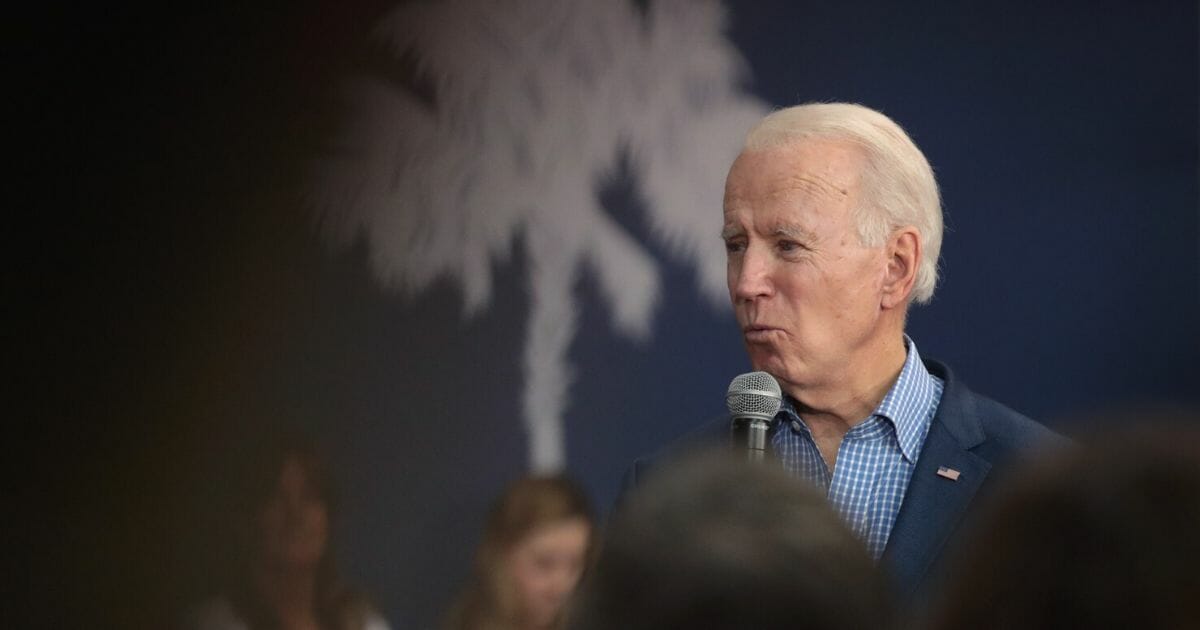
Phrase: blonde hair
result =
(527, 504)
(898, 184)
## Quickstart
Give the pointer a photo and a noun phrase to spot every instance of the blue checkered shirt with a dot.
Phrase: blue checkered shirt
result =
(877, 456)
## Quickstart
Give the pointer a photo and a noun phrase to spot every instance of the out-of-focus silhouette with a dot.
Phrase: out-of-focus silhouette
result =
(535, 547)
(283, 574)
(712, 542)
(1101, 536)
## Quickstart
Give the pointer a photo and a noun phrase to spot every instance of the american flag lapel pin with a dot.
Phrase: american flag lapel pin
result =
(948, 473)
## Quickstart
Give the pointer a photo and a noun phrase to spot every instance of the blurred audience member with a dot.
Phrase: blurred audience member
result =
(720, 544)
(284, 576)
(1103, 536)
(534, 549)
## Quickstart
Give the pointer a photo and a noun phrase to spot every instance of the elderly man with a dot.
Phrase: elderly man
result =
(832, 225)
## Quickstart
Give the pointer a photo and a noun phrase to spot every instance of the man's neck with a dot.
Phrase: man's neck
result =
(831, 411)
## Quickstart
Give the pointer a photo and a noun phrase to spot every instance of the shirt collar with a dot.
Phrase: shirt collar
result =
(906, 405)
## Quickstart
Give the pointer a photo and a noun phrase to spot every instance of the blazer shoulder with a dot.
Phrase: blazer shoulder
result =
(1011, 434)
(1002, 422)
(985, 426)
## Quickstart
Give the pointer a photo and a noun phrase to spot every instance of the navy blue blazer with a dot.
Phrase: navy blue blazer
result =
(972, 434)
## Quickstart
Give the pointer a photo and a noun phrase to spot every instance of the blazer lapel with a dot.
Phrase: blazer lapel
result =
(934, 503)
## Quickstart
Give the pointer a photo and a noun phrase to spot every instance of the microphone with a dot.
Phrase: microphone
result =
(753, 400)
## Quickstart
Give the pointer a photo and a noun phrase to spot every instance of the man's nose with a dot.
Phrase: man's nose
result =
(751, 275)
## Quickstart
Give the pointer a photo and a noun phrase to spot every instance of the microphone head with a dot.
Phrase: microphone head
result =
(754, 395)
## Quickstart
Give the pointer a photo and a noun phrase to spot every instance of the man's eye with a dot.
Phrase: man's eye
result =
(734, 247)
(789, 246)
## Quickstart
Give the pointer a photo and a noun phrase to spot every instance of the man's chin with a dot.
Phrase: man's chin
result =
(774, 365)
(764, 361)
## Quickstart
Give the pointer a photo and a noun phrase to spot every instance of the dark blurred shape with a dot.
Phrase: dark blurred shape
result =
(281, 571)
(1101, 536)
(534, 549)
(716, 543)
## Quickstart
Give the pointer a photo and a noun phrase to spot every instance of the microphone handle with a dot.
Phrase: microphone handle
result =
(750, 435)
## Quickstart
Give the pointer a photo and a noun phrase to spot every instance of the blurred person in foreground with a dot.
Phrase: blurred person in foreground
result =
(832, 228)
(284, 576)
(722, 544)
(534, 549)
(1105, 536)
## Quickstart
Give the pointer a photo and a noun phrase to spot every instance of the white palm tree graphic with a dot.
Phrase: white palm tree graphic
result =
(521, 107)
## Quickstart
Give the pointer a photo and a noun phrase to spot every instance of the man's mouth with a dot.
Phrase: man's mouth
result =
(758, 332)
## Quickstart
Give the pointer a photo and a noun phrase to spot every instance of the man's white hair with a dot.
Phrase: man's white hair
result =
(898, 185)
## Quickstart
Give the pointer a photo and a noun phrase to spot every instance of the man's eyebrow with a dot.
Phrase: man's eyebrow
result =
(730, 231)
(792, 230)
(788, 230)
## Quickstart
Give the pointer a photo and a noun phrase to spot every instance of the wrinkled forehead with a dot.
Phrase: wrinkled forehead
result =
(816, 171)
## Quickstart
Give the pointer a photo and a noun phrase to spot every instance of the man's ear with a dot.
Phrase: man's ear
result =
(904, 255)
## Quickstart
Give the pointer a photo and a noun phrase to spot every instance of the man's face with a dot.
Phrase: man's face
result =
(805, 291)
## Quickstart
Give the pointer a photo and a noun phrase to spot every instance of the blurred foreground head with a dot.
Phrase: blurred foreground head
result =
(1104, 536)
(718, 543)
